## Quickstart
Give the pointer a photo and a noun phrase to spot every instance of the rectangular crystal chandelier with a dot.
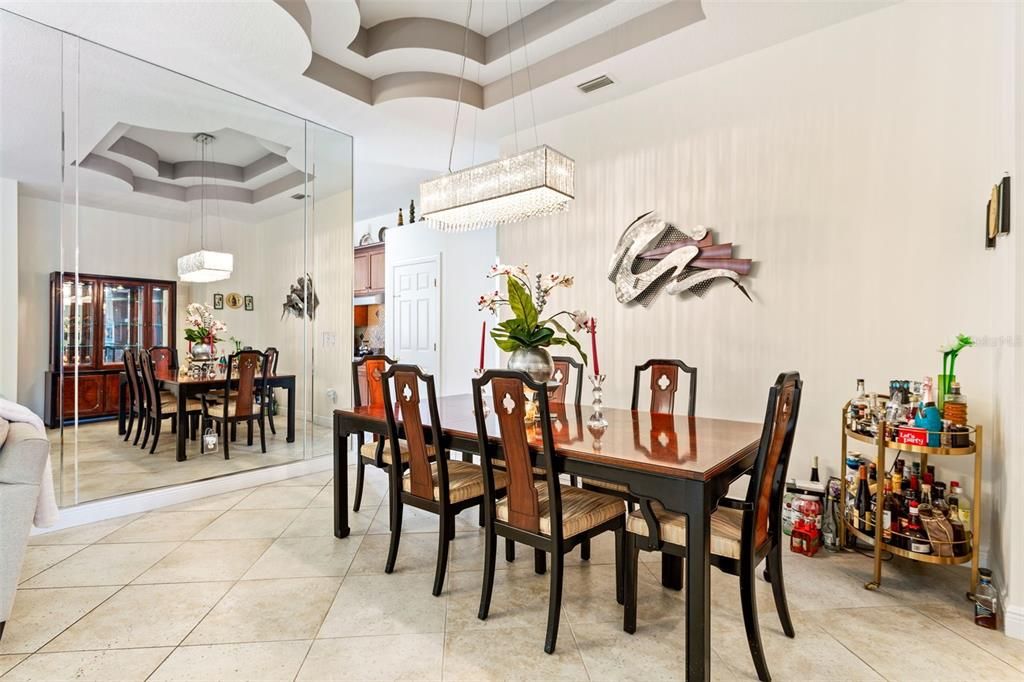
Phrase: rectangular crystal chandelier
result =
(205, 266)
(536, 182)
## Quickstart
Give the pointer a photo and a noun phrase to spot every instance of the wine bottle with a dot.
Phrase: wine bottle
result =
(814, 470)
(863, 503)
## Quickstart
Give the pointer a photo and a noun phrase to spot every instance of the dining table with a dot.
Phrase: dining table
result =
(187, 386)
(685, 463)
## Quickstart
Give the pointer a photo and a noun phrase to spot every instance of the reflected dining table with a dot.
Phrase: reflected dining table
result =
(185, 387)
(685, 463)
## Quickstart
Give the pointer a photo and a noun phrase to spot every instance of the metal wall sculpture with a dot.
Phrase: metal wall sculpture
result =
(295, 301)
(652, 255)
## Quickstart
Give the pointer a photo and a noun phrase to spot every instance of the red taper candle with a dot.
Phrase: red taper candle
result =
(483, 337)
(593, 345)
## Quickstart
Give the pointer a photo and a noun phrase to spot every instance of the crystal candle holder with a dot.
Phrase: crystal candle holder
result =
(479, 372)
(597, 420)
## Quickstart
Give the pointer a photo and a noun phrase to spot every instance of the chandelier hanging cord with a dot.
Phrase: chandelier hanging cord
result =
(462, 77)
(511, 75)
(529, 78)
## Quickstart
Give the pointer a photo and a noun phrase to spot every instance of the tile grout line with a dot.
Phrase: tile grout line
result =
(969, 641)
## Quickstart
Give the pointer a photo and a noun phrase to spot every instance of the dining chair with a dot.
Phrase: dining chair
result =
(374, 452)
(270, 355)
(743, 532)
(250, 370)
(565, 369)
(545, 515)
(431, 481)
(160, 406)
(136, 396)
(164, 358)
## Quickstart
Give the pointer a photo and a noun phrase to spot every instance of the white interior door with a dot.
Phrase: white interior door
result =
(417, 316)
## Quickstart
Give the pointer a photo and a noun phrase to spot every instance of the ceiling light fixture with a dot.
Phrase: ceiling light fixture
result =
(204, 265)
(536, 182)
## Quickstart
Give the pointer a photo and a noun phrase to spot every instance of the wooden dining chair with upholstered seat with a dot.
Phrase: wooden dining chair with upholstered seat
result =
(160, 406)
(743, 532)
(165, 359)
(569, 374)
(270, 356)
(229, 408)
(545, 515)
(430, 481)
(136, 401)
(373, 453)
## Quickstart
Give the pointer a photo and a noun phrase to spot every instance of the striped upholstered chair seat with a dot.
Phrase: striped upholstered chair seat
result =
(726, 525)
(369, 450)
(465, 481)
(581, 509)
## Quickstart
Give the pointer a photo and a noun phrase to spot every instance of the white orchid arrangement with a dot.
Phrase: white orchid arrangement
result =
(527, 301)
(200, 324)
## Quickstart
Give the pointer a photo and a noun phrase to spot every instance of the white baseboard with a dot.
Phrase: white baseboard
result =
(1013, 621)
(100, 510)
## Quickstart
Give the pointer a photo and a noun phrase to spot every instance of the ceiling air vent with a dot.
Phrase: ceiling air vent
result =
(595, 84)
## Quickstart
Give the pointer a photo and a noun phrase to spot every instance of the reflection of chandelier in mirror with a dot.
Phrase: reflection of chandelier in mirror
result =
(204, 265)
(536, 182)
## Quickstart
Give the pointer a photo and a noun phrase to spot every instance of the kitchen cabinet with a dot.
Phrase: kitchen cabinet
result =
(368, 270)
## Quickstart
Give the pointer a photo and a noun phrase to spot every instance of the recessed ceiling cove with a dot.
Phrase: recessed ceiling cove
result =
(238, 167)
(404, 48)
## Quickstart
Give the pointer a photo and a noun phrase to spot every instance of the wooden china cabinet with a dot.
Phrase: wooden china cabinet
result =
(116, 313)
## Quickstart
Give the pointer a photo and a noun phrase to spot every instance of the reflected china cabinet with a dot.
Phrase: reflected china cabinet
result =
(116, 313)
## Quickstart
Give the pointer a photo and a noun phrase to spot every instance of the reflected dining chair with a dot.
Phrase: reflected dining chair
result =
(374, 452)
(432, 483)
(546, 515)
(136, 396)
(743, 532)
(165, 358)
(161, 406)
(231, 407)
(270, 356)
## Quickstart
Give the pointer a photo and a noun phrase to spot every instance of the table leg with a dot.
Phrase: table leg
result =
(698, 587)
(182, 427)
(122, 408)
(341, 528)
(671, 572)
(291, 413)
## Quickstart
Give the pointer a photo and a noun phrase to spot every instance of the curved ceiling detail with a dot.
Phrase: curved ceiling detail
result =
(560, 37)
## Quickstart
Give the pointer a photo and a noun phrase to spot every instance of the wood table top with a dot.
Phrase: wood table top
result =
(172, 376)
(674, 445)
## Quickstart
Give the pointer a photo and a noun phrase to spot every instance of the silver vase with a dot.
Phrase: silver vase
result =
(536, 362)
(202, 351)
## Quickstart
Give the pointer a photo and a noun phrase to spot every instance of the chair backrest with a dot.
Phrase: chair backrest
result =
(768, 478)
(252, 372)
(508, 390)
(271, 354)
(664, 384)
(149, 385)
(131, 371)
(375, 367)
(164, 358)
(564, 369)
(406, 401)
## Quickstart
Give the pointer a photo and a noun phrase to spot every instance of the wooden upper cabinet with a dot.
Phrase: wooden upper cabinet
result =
(368, 269)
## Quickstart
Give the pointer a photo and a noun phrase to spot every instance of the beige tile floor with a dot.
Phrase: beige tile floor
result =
(252, 585)
(108, 466)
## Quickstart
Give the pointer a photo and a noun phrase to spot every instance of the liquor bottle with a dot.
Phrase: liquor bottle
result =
(954, 406)
(863, 504)
(814, 470)
(890, 511)
(939, 498)
(918, 540)
(897, 479)
(859, 407)
(963, 502)
(829, 531)
(986, 601)
(960, 544)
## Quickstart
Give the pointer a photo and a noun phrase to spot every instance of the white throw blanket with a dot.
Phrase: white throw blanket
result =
(46, 505)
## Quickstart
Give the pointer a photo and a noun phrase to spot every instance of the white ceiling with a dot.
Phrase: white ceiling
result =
(259, 50)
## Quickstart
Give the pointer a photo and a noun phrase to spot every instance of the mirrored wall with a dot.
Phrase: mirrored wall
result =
(164, 226)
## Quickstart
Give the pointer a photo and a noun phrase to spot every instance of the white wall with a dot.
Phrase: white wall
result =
(9, 284)
(465, 259)
(853, 165)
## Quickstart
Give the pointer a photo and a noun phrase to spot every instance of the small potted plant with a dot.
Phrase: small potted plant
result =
(526, 335)
(202, 330)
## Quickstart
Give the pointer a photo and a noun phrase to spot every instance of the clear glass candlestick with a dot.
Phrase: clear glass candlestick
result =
(479, 372)
(597, 420)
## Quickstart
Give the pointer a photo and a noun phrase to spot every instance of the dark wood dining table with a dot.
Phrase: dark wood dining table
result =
(685, 463)
(185, 387)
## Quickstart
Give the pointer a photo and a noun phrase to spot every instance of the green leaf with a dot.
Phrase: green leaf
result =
(508, 345)
(541, 336)
(521, 303)
(569, 338)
